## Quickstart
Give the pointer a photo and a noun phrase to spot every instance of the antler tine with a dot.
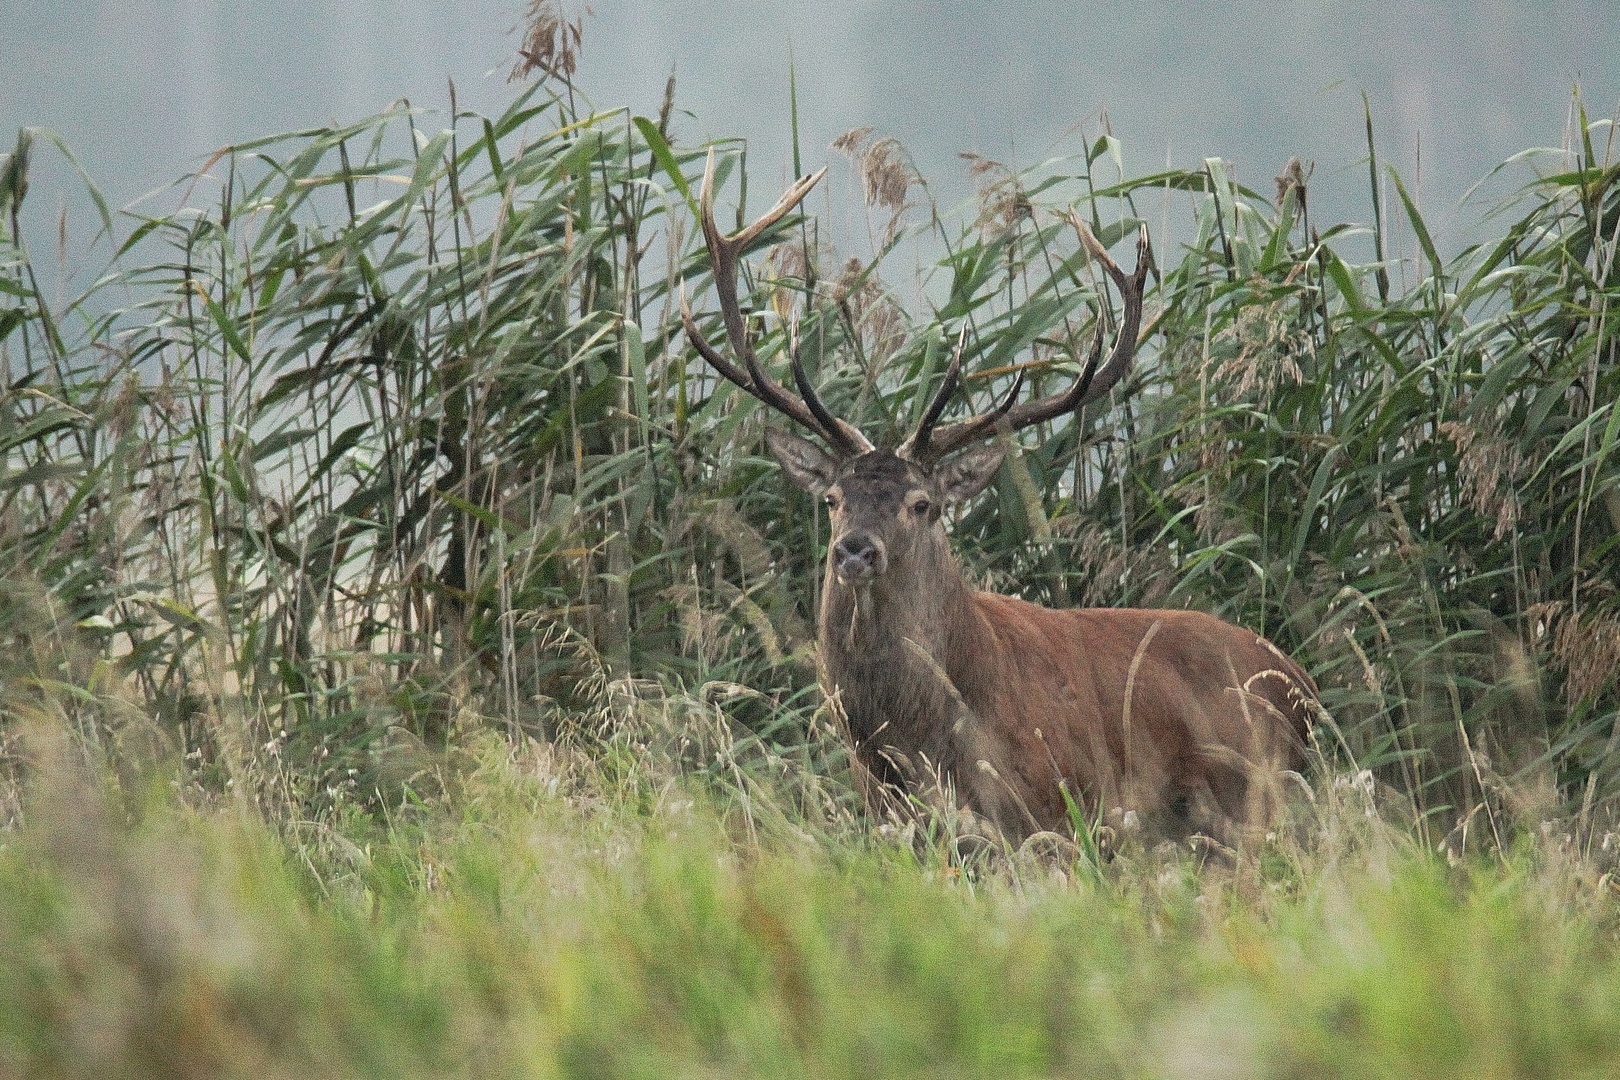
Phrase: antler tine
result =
(1094, 381)
(723, 252)
(1131, 289)
(957, 435)
(858, 443)
(841, 436)
(916, 447)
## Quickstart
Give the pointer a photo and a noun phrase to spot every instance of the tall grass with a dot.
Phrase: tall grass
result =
(399, 423)
(373, 496)
(557, 918)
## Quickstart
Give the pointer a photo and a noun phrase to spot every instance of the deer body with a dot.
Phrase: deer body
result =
(936, 677)
(1008, 704)
(1040, 694)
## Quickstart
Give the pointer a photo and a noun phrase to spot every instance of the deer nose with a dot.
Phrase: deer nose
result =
(858, 556)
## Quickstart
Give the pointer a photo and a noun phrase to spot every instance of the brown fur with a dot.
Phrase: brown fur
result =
(936, 677)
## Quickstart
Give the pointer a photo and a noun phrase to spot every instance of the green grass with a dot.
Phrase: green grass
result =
(532, 927)
(405, 650)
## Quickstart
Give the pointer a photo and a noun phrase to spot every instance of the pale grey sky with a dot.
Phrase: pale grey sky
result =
(145, 89)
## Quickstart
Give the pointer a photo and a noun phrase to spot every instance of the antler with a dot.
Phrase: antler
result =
(723, 251)
(927, 444)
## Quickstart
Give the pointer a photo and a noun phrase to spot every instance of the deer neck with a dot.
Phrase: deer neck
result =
(894, 650)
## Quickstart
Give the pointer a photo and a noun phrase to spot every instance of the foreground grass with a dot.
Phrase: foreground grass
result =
(532, 922)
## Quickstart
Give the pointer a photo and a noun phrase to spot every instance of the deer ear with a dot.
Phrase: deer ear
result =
(806, 464)
(965, 475)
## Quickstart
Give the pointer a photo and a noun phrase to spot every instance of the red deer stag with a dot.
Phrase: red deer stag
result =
(1172, 713)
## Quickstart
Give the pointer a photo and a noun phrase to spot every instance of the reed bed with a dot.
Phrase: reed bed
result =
(408, 663)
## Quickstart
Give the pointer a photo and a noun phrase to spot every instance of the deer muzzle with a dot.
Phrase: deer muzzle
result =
(858, 557)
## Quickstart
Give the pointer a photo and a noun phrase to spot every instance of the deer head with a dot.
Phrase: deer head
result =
(886, 504)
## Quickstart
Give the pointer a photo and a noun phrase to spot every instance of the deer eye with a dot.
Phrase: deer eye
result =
(830, 500)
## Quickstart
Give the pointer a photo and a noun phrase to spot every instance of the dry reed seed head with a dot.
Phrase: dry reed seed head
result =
(980, 166)
(849, 287)
(887, 174)
(792, 260)
(789, 268)
(1293, 177)
(164, 398)
(766, 609)
(550, 42)
(1370, 676)
(877, 318)
(1490, 468)
(124, 411)
(1268, 343)
(1585, 648)
(1003, 203)
(849, 143)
